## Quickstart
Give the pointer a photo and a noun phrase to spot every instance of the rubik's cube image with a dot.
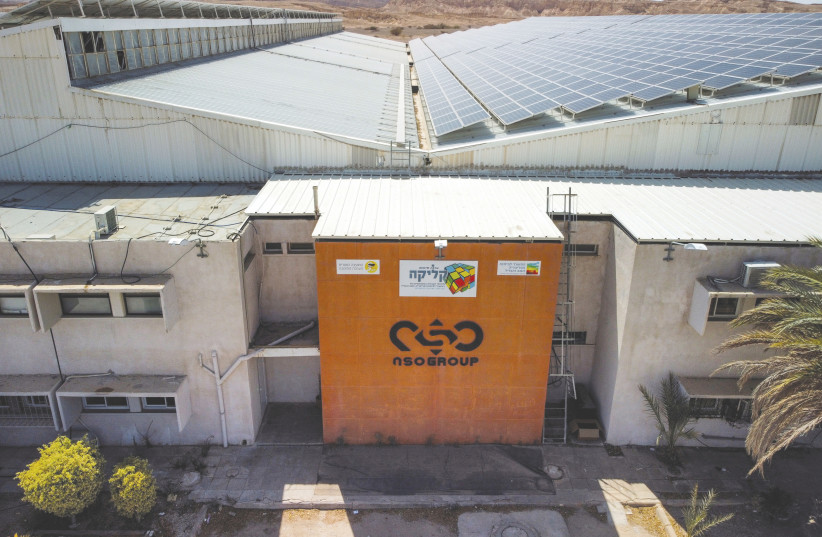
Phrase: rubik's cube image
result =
(460, 277)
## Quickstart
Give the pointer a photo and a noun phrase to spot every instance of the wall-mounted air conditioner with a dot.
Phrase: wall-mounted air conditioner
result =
(105, 220)
(753, 271)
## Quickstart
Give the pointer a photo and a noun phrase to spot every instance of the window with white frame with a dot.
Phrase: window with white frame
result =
(728, 409)
(105, 403)
(14, 306)
(95, 305)
(723, 308)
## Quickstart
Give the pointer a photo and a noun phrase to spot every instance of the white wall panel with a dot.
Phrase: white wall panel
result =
(795, 148)
(771, 140)
(777, 112)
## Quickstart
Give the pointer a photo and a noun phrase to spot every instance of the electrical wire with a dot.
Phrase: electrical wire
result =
(104, 127)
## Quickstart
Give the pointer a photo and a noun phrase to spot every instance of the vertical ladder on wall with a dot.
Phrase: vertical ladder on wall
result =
(562, 209)
(400, 155)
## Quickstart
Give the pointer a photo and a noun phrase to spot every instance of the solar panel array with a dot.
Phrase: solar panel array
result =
(450, 106)
(525, 68)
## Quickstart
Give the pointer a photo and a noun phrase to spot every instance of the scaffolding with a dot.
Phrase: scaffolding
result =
(562, 209)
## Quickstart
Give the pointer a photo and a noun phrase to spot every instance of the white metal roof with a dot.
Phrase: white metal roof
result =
(333, 84)
(725, 209)
(153, 212)
(418, 208)
(107, 9)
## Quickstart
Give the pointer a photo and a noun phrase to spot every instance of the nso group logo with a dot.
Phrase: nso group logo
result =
(459, 341)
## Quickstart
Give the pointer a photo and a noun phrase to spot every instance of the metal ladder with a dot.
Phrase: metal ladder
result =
(562, 209)
(400, 156)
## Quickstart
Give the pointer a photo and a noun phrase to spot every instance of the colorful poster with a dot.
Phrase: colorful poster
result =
(358, 266)
(518, 268)
(442, 278)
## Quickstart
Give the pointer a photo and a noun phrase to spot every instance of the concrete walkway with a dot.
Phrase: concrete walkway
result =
(424, 476)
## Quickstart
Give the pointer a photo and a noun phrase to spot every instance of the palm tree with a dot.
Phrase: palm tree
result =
(696, 514)
(673, 415)
(788, 403)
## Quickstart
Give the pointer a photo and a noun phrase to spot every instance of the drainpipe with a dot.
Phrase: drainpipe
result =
(220, 379)
(216, 365)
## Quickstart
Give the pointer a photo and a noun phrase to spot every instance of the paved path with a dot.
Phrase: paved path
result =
(422, 476)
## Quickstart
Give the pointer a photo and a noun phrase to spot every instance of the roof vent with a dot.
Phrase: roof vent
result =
(753, 271)
(105, 220)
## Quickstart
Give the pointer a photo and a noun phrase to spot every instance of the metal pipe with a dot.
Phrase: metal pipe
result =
(316, 202)
(297, 332)
(216, 369)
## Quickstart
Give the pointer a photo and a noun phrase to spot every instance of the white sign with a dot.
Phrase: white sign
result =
(358, 266)
(518, 268)
(444, 278)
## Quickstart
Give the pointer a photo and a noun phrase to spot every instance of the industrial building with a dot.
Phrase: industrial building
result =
(245, 225)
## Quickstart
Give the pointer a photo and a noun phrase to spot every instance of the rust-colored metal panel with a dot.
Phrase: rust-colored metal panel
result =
(450, 392)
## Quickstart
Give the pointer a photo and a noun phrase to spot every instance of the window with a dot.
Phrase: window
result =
(39, 401)
(706, 408)
(580, 249)
(273, 248)
(570, 338)
(25, 409)
(92, 42)
(85, 305)
(14, 305)
(723, 308)
(300, 247)
(143, 305)
(729, 409)
(105, 403)
(159, 403)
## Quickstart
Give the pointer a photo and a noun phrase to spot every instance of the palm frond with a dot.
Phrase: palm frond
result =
(788, 403)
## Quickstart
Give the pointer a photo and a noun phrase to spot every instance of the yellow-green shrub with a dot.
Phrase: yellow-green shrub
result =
(133, 488)
(65, 479)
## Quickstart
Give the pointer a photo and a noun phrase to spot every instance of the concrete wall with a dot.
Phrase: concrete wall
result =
(293, 379)
(588, 277)
(288, 289)
(211, 317)
(656, 338)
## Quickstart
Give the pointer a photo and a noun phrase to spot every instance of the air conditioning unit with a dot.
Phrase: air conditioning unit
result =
(752, 272)
(105, 220)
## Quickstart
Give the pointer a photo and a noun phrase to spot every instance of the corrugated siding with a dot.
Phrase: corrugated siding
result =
(36, 100)
(761, 136)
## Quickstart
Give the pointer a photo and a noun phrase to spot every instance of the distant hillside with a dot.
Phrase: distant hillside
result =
(532, 8)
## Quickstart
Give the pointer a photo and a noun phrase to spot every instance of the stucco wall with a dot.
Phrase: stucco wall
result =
(293, 379)
(288, 290)
(657, 337)
(368, 396)
(209, 298)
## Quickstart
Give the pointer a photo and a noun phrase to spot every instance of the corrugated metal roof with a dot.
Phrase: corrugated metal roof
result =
(726, 209)
(326, 84)
(419, 208)
(154, 212)
(48, 9)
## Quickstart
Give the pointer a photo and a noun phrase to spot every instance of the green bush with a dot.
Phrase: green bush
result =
(396, 30)
(65, 479)
(133, 488)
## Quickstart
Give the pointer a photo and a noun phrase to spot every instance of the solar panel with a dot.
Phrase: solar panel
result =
(521, 69)
(450, 106)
